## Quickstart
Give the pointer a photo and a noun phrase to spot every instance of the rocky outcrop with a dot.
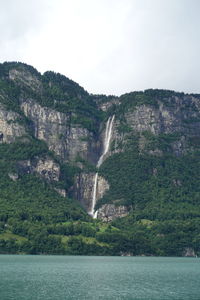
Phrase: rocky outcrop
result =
(83, 188)
(84, 185)
(174, 116)
(177, 115)
(102, 187)
(49, 125)
(109, 212)
(68, 141)
(108, 104)
(10, 129)
(45, 167)
(25, 78)
(80, 143)
(48, 169)
(189, 252)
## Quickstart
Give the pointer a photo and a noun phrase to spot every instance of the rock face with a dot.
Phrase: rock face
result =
(84, 187)
(102, 187)
(45, 167)
(180, 115)
(108, 104)
(168, 118)
(189, 252)
(48, 169)
(49, 125)
(109, 212)
(10, 129)
(84, 184)
(54, 127)
(23, 77)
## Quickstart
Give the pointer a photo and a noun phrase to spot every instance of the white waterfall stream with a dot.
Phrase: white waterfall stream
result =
(106, 145)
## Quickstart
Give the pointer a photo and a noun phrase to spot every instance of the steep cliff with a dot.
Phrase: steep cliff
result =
(152, 130)
(72, 123)
(135, 156)
(10, 129)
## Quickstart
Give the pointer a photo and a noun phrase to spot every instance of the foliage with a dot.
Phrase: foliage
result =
(141, 179)
(23, 148)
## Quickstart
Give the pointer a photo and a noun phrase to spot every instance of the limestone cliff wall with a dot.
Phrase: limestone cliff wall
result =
(62, 137)
(84, 186)
(10, 129)
(178, 115)
(168, 118)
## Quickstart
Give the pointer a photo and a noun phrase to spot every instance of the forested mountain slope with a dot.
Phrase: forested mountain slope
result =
(65, 154)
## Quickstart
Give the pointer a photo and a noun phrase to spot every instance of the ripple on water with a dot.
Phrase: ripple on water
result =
(79, 277)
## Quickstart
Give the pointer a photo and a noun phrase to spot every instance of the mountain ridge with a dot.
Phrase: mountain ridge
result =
(52, 134)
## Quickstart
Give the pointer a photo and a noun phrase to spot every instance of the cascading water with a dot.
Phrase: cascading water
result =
(106, 145)
(94, 213)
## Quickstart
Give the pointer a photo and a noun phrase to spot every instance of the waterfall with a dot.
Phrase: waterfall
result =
(107, 138)
(106, 145)
(94, 213)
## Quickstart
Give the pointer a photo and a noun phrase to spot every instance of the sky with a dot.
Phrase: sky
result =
(107, 46)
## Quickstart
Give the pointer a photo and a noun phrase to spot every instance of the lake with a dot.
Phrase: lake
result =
(91, 277)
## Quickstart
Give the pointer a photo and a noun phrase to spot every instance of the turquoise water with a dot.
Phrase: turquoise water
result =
(82, 277)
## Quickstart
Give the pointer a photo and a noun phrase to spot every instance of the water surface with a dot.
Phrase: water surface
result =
(91, 277)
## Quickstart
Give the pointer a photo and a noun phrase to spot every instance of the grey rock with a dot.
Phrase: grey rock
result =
(61, 192)
(109, 212)
(84, 185)
(45, 167)
(10, 129)
(48, 169)
(13, 176)
(189, 252)
(66, 140)
(23, 77)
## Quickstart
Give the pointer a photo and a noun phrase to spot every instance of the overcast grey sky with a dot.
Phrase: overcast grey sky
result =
(107, 46)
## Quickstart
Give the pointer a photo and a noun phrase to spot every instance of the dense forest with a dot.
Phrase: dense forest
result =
(158, 183)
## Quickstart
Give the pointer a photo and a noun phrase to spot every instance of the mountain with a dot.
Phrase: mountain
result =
(96, 174)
